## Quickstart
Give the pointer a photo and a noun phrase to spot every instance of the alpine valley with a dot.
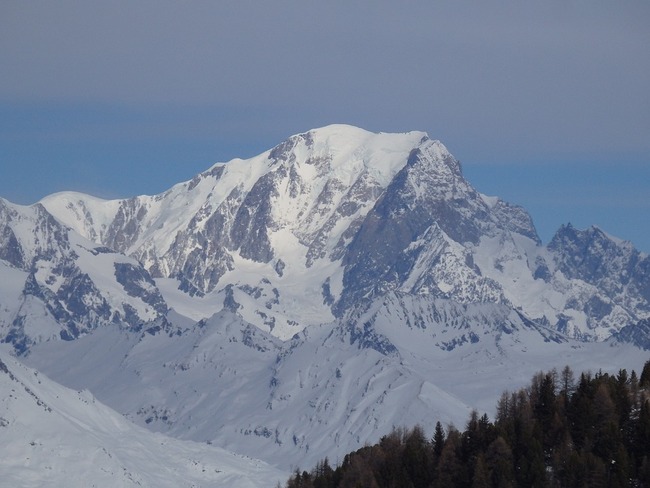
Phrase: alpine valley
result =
(301, 303)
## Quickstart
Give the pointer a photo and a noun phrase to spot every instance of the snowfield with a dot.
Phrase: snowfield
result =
(328, 391)
(54, 436)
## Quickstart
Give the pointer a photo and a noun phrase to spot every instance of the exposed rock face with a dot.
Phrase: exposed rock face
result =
(637, 334)
(619, 271)
(65, 286)
(425, 217)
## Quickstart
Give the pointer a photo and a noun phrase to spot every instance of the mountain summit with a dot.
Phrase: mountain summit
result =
(313, 231)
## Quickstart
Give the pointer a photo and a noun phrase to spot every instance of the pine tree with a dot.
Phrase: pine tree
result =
(644, 471)
(358, 474)
(323, 475)
(505, 417)
(563, 461)
(644, 380)
(641, 442)
(606, 435)
(438, 440)
(480, 478)
(567, 380)
(620, 468)
(580, 412)
(449, 472)
(544, 408)
(499, 462)
(415, 460)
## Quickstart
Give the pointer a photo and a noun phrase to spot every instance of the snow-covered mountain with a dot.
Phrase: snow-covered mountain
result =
(301, 303)
(54, 436)
(328, 220)
(57, 284)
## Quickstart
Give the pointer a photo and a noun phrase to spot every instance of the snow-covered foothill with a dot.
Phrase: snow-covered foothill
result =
(54, 436)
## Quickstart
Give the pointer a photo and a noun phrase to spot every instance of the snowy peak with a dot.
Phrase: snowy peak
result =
(327, 221)
(592, 240)
(57, 284)
(285, 215)
(620, 273)
(421, 234)
(87, 215)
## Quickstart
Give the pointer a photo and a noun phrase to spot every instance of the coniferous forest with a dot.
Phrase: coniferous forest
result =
(560, 431)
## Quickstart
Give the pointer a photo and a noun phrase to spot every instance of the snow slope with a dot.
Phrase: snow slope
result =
(54, 436)
(330, 389)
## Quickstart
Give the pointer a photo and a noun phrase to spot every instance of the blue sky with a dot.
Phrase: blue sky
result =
(546, 103)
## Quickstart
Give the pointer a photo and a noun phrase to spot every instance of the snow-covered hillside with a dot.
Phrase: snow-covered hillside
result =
(54, 436)
(329, 390)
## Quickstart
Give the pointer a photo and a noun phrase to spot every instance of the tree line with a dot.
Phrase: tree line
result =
(557, 432)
